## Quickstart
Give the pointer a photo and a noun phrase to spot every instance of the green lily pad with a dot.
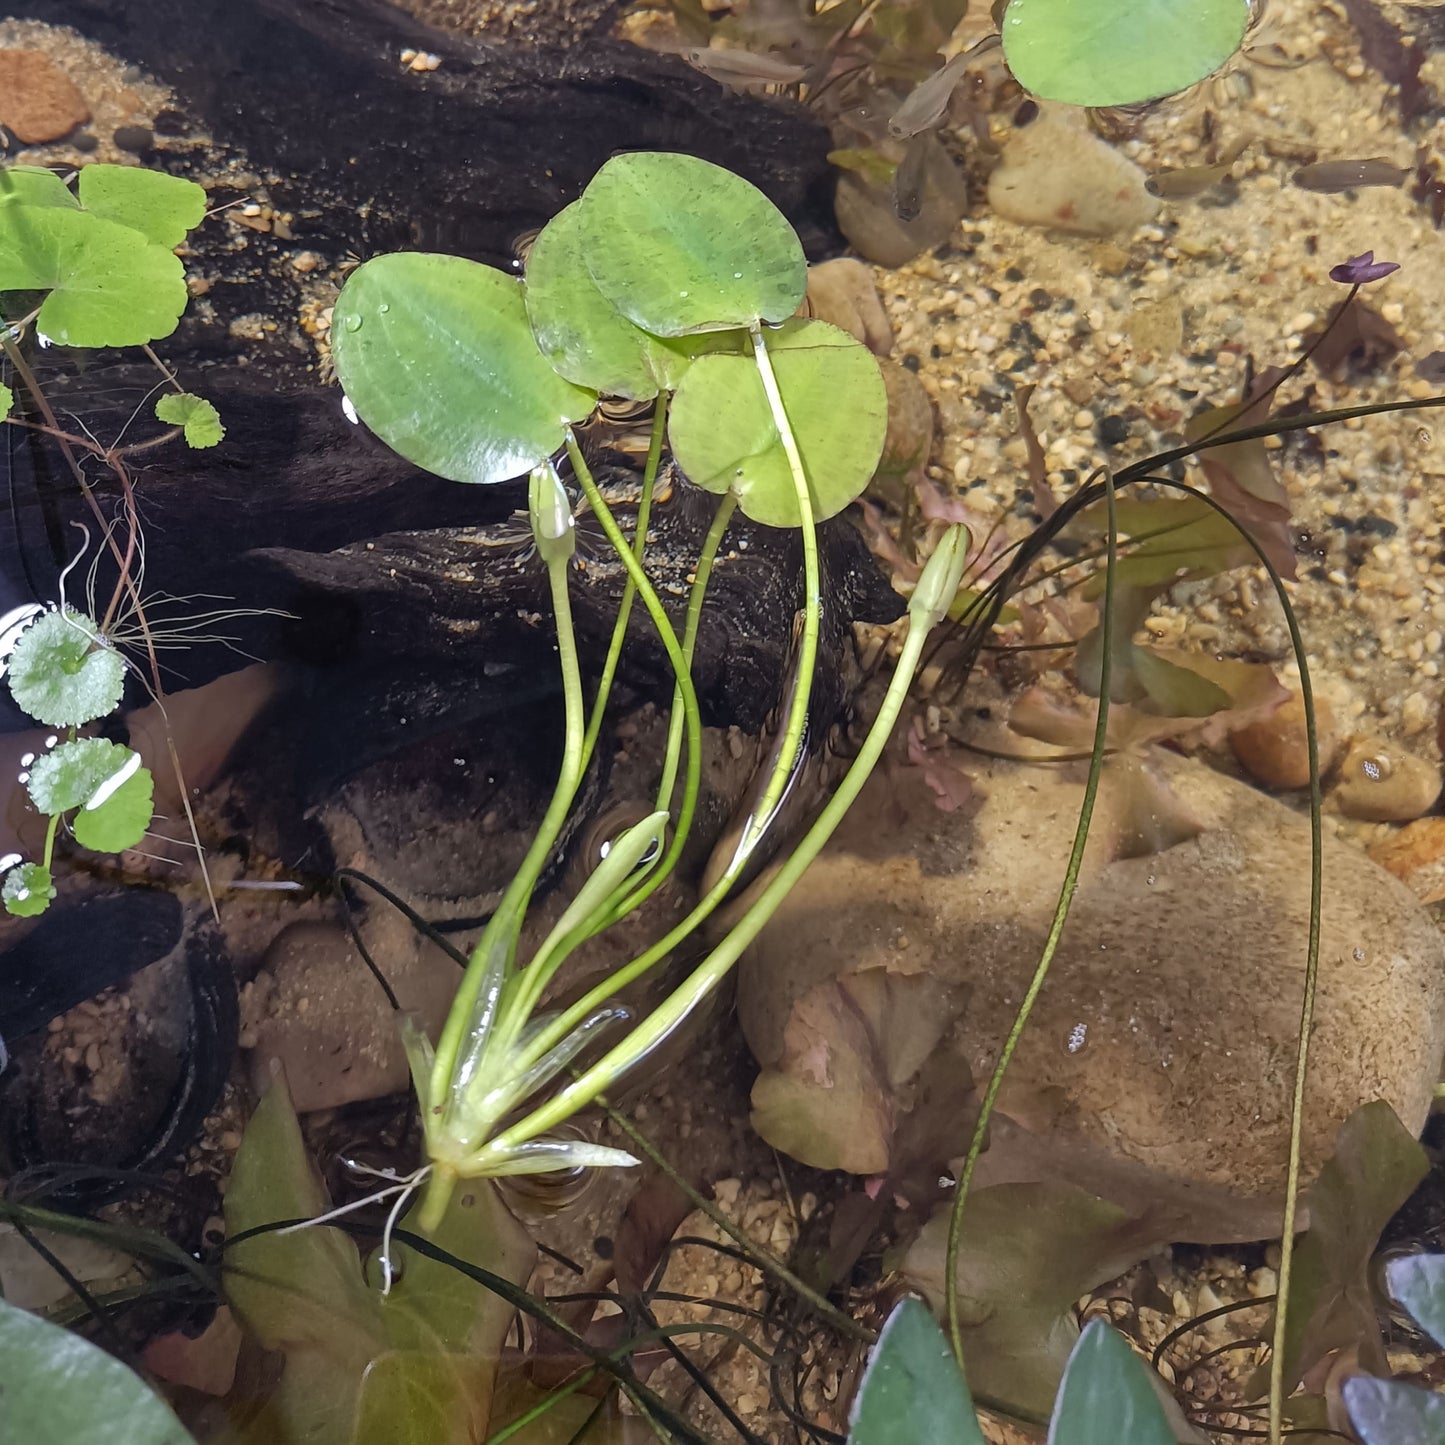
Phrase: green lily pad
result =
(27, 890)
(60, 1389)
(1105, 1396)
(120, 820)
(200, 421)
(62, 674)
(679, 245)
(913, 1390)
(78, 772)
(438, 358)
(723, 435)
(161, 207)
(109, 285)
(1118, 52)
(581, 333)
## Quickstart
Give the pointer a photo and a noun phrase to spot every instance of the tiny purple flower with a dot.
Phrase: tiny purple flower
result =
(1362, 268)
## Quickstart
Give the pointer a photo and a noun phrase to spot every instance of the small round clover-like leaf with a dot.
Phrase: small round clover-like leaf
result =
(161, 207)
(119, 819)
(723, 436)
(61, 673)
(680, 245)
(7, 400)
(199, 420)
(109, 285)
(81, 773)
(27, 890)
(34, 186)
(1118, 52)
(438, 358)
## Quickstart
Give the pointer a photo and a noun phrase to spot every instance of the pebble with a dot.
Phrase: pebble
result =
(1056, 172)
(38, 101)
(1382, 783)
(134, 138)
(1273, 750)
(1416, 856)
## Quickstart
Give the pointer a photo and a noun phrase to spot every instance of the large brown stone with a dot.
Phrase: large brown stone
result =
(38, 101)
(1157, 1068)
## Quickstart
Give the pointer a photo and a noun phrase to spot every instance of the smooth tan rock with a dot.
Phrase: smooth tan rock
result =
(842, 292)
(1156, 1068)
(38, 101)
(1380, 782)
(909, 438)
(1057, 172)
(1274, 750)
(316, 1010)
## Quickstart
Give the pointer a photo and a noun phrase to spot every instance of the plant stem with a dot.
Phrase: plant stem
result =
(629, 590)
(664, 1019)
(505, 924)
(1051, 943)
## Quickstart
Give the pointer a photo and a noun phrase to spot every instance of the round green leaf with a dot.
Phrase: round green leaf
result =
(161, 207)
(120, 819)
(437, 356)
(680, 245)
(79, 773)
(7, 400)
(59, 1389)
(1118, 52)
(62, 673)
(199, 419)
(108, 284)
(579, 330)
(27, 891)
(723, 436)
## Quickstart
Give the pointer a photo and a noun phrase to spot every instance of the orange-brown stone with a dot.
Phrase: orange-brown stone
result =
(38, 101)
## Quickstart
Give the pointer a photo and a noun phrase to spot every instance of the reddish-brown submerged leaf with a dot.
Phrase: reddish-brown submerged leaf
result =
(852, 1048)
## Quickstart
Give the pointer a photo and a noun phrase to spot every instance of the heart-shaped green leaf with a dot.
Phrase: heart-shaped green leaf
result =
(723, 435)
(679, 245)
(438, 358)
(119, 819)
(60, 1389)
(199, 419)
(1118, 52)
(161, 207)
(109, 285)
(27, 890)
(1105, 1396)
(913, 1391)
(62, 674)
